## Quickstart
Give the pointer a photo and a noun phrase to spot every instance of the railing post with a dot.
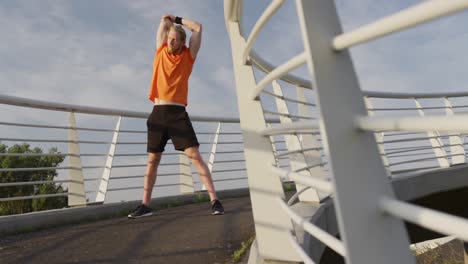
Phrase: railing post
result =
(311, 141)
(76, 190)
(359, 177)
(185, 174)
(456, 142)
(211, 159)
(298, 160)
(101, 194)
(379, 137)
(272, 224)
(436, 142)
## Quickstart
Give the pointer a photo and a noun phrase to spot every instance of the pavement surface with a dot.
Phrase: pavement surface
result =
(183, 234)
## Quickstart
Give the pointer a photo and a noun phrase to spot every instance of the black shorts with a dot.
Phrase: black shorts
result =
(170, 122)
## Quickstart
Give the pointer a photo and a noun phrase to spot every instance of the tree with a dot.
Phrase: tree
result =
(29, 205)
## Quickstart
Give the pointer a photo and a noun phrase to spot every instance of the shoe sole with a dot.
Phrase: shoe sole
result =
(145, 215)
(217, 213)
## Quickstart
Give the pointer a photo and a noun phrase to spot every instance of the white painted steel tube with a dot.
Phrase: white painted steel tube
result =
(314, 230)
(319, 184)
(24, 102)
(455, 123)
(427, 218)
(278, 72)
(33, 197)
(372, 94)
(290, 128)
(267, 14)
(267, 67)
(409, 17)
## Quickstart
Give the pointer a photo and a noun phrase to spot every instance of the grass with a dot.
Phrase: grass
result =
(237, 255)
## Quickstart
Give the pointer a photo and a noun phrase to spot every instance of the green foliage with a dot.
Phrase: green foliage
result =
(24, 206)
(236, 257)
(201, 198)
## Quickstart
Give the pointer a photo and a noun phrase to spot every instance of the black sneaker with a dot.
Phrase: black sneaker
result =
(141, 211)
(217, 208)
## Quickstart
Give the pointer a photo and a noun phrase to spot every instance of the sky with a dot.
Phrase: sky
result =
(99, 53)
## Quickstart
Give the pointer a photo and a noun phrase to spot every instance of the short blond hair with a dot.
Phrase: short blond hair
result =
(180, 31)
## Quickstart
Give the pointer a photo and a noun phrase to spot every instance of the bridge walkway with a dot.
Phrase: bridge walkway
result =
(183, 234)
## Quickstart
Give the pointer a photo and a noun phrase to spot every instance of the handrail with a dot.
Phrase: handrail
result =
(23, 102)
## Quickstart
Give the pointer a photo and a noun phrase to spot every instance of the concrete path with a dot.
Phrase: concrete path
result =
(184, 234)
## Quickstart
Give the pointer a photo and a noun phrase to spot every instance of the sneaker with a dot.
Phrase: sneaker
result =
(217, 208)
(141, 211)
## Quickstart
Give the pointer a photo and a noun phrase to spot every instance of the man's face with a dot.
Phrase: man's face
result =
(173, 42)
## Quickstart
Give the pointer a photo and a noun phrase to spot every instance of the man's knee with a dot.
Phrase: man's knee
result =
(154, 159)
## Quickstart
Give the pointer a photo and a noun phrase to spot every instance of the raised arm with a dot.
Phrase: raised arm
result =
(166, 23)
(195, 38)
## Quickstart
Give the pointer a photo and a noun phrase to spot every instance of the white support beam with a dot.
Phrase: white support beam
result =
(77, 195)
(211, 159)
(185, 174)
(436, 142)
(102, 191)
(455, 139)
(272, 226)
(379, 137)
(297, 160)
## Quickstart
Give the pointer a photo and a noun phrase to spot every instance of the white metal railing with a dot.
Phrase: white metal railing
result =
(377, 149)
(91, 187)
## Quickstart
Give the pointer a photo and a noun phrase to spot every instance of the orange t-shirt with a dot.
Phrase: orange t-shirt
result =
(170, 75)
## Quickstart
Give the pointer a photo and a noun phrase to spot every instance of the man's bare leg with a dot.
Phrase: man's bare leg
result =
(205, 176)
(150, 176)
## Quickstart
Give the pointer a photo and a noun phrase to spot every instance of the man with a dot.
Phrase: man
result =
(172, 65)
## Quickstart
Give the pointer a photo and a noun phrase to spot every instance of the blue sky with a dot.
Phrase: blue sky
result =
(99, 53)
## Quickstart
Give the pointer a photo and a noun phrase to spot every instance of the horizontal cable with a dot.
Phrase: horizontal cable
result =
(412, 139)
(278, 72)
(409, 17)
(392, 134)
(408, 108)
(142, 176)
(321, 164)
(221, 180)
(287, 99)
(141, 187)
(297, 151)
(55, 141)
(287, 128)
(409, 155)
(267, 14)
(40, 169)
(425, 159)
(216, 171)
(393, 95)
(415, 169)
(427, 218)
(319, 184)
(57, 127)
(32, 197)
(32, 183)
(35, 155)
(288, 115)
(228, 161)
(320, 234)
(455, 123)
